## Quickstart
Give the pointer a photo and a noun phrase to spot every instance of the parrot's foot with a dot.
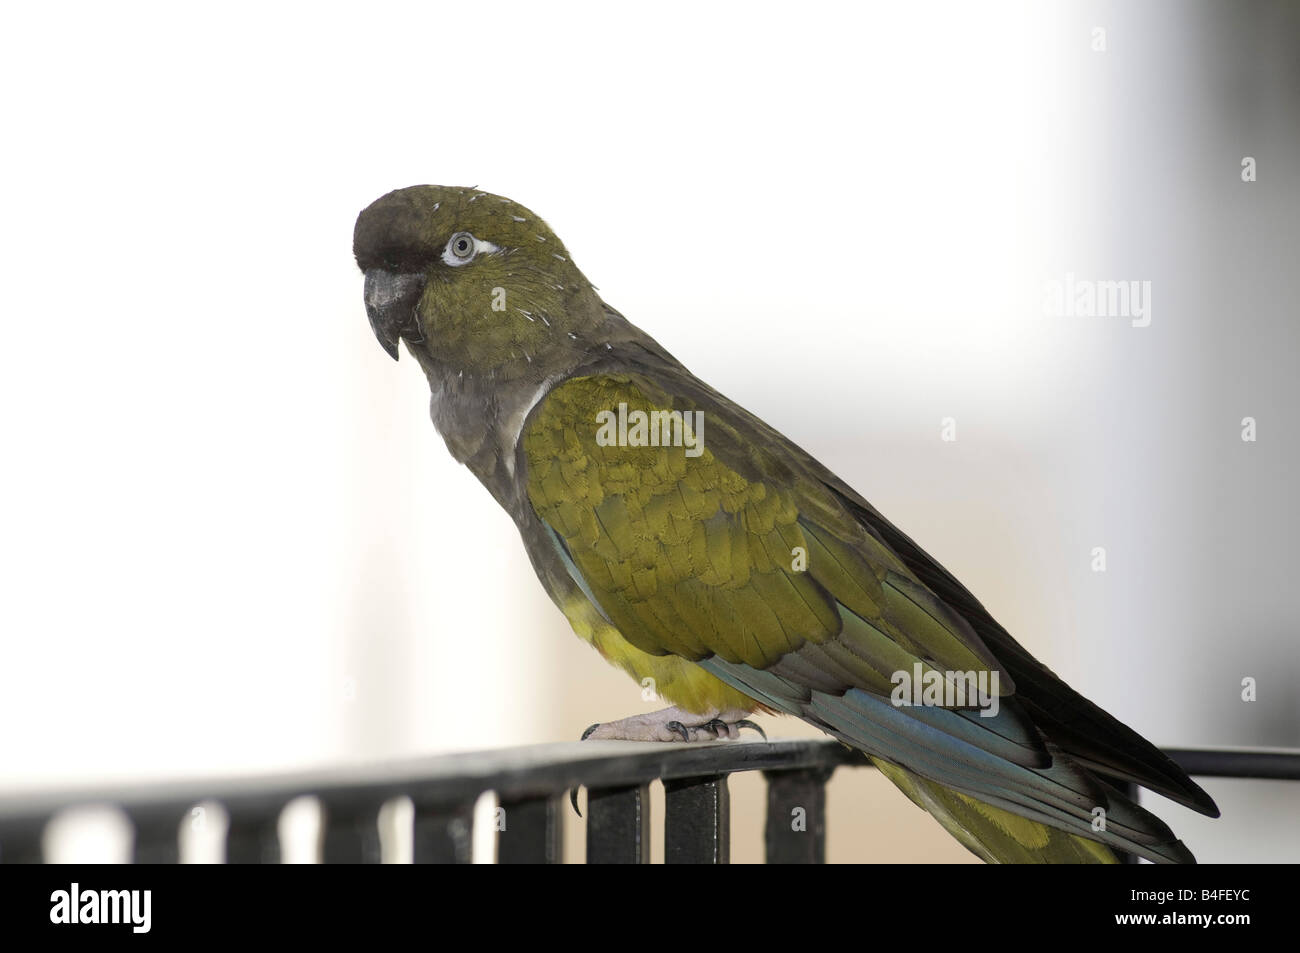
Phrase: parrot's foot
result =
(675, 724)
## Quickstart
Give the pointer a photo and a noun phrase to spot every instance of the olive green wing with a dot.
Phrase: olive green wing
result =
(688, 556)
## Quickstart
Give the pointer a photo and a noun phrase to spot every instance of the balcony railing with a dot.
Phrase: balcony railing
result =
(531, 785)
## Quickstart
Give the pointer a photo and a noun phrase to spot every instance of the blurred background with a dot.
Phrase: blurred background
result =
(231, 542)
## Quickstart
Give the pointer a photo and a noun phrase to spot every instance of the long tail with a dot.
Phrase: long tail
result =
(997, 836)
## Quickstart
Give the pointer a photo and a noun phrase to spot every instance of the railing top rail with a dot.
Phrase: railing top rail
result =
(538, 770)
(532, 770)
(1281, 764)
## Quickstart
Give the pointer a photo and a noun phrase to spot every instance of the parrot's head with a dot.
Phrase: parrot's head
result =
(473, 282)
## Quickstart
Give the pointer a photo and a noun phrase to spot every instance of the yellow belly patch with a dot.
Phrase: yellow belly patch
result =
(673, 679)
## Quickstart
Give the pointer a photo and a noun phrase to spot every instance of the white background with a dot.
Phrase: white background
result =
(232, 542)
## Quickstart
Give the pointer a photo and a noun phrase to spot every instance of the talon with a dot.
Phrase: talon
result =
(718, 727)
(573, 799)
(678, 728)
(746, 723)
(585, 735)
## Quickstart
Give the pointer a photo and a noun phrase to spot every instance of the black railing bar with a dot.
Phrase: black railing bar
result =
(529, 771)
(1278, 764)
(618, 825)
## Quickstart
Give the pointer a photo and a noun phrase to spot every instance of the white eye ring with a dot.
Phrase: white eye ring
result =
(462, 247)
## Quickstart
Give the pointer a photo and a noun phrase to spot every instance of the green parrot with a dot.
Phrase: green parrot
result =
(690, 543)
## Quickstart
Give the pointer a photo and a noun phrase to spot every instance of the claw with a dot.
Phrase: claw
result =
(678, 728)
(746, 723)
(718, 727)
(573, 792)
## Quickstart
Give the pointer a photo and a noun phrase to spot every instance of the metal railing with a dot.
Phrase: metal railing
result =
(530, 784)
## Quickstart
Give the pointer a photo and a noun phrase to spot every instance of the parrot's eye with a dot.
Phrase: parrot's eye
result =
(463, 247)
(460, 248)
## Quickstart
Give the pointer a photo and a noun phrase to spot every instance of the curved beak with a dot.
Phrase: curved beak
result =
(391, 300)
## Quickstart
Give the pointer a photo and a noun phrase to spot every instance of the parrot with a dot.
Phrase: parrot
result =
(693, 545)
